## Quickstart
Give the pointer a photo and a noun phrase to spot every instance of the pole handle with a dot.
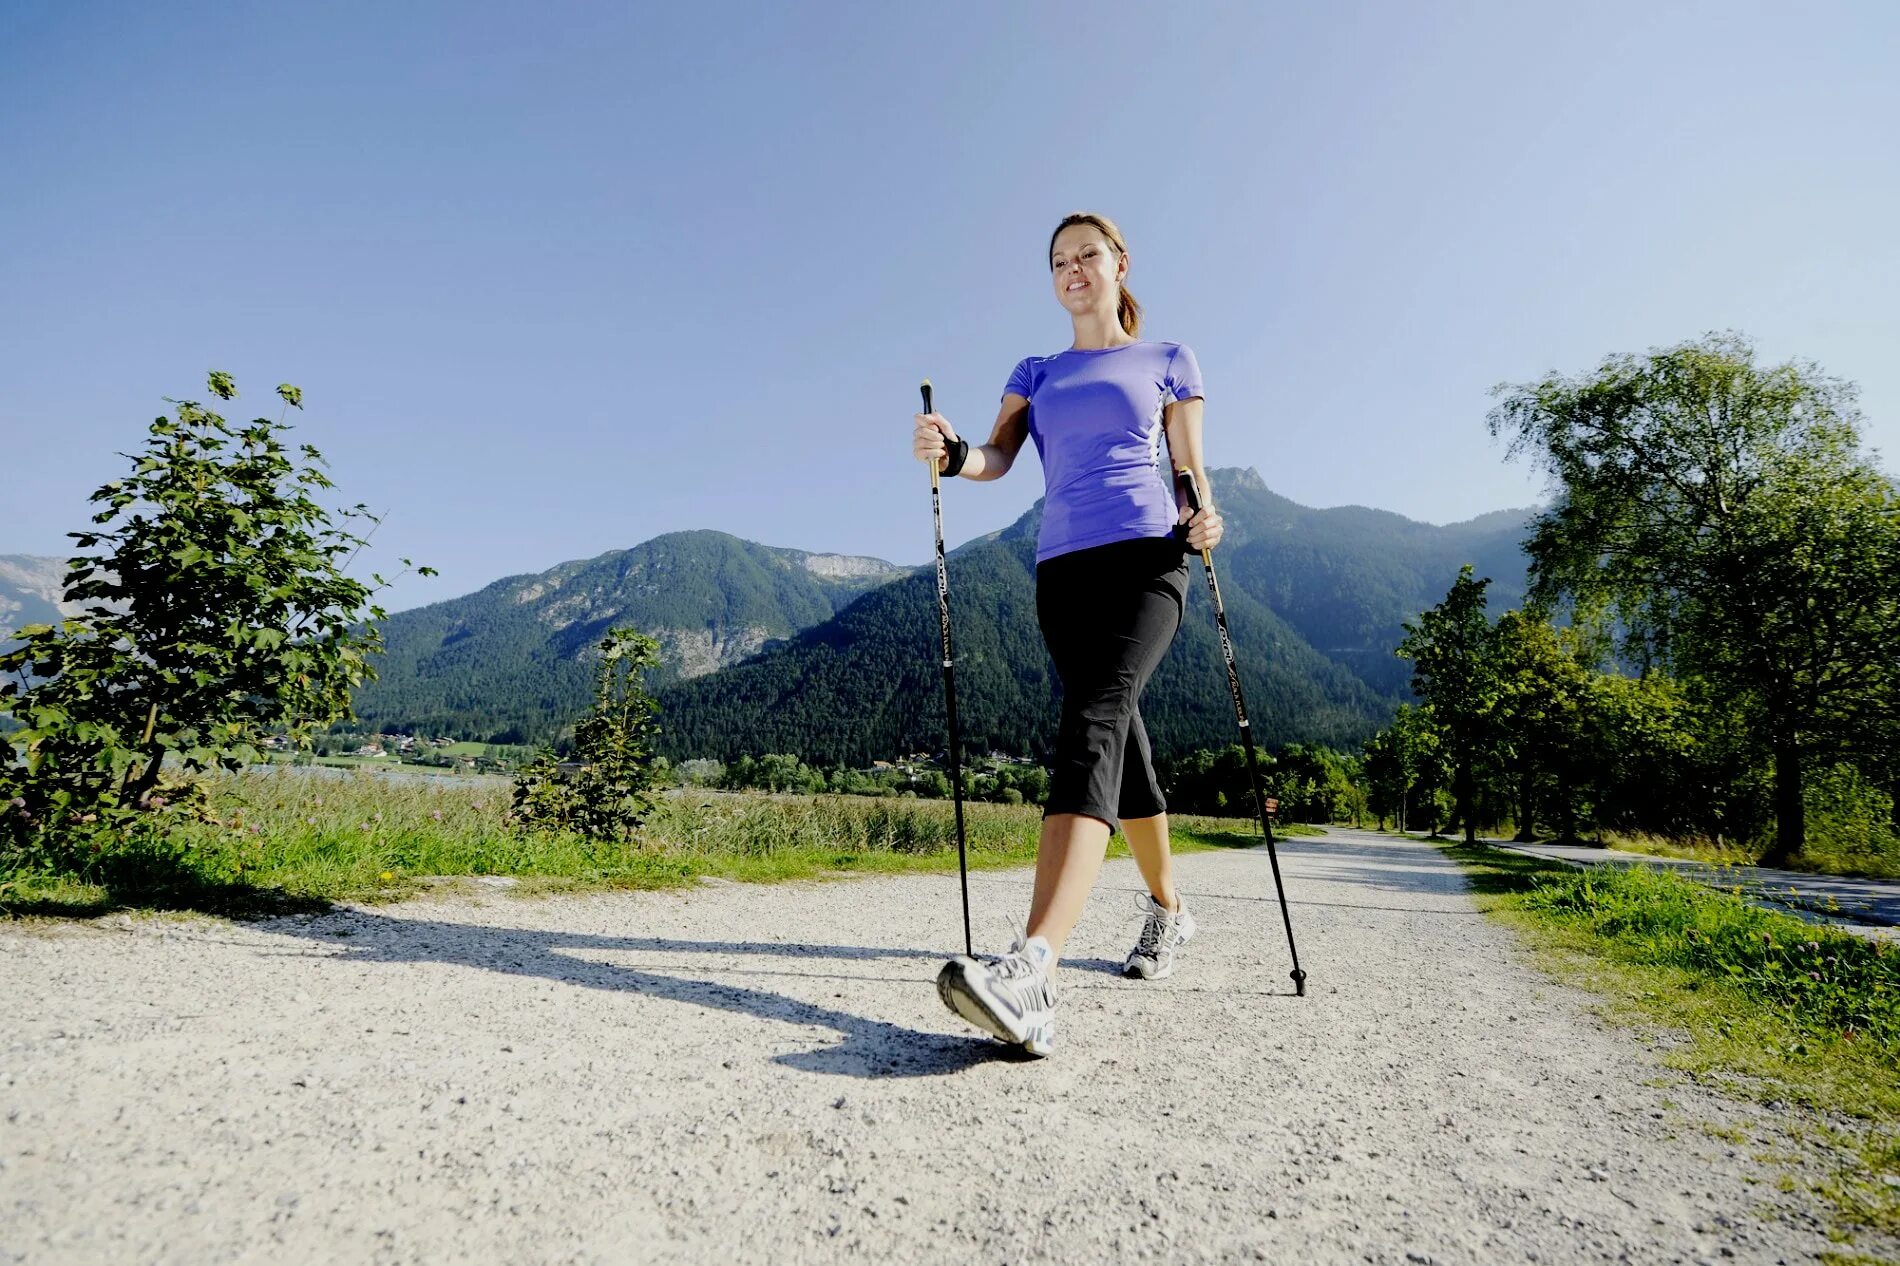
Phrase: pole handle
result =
(925, 388)
(1185, 477)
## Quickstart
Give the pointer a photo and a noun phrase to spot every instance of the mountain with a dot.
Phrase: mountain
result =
(1348, 578)
(835, 657)
(31, 591)
(1315, 603)
(509, 663)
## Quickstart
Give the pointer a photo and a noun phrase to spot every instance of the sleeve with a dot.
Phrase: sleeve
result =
(1184, 374)
(1022, 378)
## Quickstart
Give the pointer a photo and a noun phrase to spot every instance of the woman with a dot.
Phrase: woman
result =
(1111, 583)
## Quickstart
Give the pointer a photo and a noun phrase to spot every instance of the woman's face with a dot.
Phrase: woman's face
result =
(1086, 270)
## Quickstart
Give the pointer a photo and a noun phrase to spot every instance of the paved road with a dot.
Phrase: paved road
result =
(764, 1074)
(1865, 907)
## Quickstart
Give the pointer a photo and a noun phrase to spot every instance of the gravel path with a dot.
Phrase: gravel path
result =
(764, 1074)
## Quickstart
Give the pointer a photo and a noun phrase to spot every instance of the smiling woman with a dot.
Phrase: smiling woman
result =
(1111, 585)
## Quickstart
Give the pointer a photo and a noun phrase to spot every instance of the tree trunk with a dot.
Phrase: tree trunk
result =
(141, 786)
(1526, 813)
(134, 791)
(1791, 826)
(1465, 806)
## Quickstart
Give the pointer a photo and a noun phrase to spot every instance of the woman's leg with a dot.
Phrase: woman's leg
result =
(1148, 841)
(1068, 858)
(1105, 646)
(1144, 818)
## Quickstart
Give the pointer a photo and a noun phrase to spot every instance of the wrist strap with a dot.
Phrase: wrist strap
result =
(959, 453)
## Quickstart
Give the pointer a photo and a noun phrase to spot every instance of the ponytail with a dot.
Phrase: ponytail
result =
(1130, 313)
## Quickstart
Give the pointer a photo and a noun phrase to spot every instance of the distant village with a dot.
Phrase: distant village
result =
(460, 756)
(402, 749)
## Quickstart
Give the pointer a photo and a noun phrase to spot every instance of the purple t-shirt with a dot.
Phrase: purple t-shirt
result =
(1096, 418)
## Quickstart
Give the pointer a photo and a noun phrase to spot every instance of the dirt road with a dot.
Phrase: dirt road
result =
(764, 1074)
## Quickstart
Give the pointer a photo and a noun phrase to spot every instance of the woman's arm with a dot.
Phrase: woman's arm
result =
(985, 461)
(1182, 423)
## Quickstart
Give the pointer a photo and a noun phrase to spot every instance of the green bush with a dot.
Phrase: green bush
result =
(217, 608)
(1850, 824)
(607, 796)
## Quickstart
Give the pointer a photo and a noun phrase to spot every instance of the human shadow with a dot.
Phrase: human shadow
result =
(870, 1049)
(1102, 966)
(1398, 867)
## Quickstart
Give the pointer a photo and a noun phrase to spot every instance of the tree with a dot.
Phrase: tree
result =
(1540, 717)
(1725, 513)
(1312, 784)
(606, 797)
(217, 608)
(701, 773)
(1640, 761)
(1402, 762)
(1030, 782)
(1214, 782)
(1384, 780)
(1453, 649)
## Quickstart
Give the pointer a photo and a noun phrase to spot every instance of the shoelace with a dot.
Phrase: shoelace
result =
(1013, 964)
(1018, 970)
(1010, 966)
(1018, 958)
(1152, 931)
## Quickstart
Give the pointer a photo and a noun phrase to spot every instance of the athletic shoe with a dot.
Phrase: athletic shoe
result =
(1009, 996)
(1162, 933)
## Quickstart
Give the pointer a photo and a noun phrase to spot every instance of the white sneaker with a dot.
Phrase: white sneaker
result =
(1162, 933)
(1009, 995)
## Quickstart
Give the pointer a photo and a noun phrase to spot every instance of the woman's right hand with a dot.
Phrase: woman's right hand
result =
(932, 439)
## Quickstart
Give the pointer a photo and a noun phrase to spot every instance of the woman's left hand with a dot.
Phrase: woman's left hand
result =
(1205, 527)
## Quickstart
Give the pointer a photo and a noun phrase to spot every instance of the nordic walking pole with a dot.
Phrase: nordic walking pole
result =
(1186, 477)
(950, 692)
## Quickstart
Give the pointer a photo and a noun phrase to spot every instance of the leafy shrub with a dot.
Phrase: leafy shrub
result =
(218, 608)
(606, 796)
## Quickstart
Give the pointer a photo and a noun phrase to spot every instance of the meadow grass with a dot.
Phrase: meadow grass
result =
(1771, 1008)
(290, 838)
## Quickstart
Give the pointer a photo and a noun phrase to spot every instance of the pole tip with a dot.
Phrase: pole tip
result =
(1299, 983)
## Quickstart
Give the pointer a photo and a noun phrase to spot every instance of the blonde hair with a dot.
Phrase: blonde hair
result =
(1126, 309)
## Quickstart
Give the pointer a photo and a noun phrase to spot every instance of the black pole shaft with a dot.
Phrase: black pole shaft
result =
(1186, 477)
(950, 694)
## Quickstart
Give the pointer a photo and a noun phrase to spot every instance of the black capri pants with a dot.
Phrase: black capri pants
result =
(1108, 615)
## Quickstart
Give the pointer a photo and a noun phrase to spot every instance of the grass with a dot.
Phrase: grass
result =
(1769, 1007)
(289, 840)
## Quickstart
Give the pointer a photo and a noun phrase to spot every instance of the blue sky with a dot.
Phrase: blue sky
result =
(558, 278)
